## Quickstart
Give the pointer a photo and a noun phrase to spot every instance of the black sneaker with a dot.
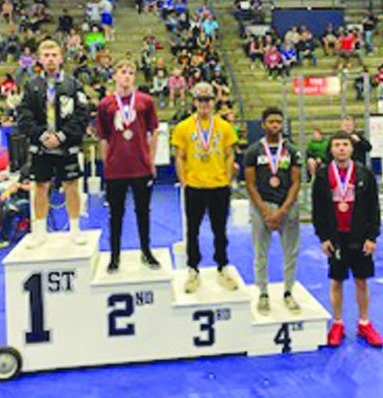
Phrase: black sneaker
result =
(150, 261)
(113, 266)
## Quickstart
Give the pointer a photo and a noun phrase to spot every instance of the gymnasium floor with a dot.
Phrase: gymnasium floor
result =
(353, 371)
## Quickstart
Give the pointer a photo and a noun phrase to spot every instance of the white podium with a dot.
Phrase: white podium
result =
(63, 310)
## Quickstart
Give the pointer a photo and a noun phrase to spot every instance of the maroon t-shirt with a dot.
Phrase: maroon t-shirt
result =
(126, 158)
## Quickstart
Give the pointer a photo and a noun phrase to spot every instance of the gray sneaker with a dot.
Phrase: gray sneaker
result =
(263, 305)
(193, 281)
(226, 280)
(292, 304)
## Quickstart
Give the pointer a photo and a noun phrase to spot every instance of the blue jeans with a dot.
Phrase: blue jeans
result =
(368, 35)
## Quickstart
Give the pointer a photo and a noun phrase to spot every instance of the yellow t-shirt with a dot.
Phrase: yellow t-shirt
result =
(200, 173)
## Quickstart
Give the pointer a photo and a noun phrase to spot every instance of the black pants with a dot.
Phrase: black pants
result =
(216, 202)
(116, 190)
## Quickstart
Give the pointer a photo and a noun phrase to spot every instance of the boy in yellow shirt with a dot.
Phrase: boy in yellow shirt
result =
(204, 162)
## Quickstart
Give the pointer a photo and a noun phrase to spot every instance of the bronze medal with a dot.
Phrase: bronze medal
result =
(205, 157)
(343, 207)
(128, 134)
(274, 181)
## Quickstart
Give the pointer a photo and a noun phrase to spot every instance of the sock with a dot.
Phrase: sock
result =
(338, 321)
(75, 225)
(364, 322)
(39, 226)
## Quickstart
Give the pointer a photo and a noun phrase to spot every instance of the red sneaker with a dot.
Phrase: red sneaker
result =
(372, 337)
(335, 337)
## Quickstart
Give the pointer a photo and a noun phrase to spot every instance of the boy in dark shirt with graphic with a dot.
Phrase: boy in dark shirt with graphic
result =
(272, 168)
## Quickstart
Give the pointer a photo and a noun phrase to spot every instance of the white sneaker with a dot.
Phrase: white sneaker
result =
(226, 280)
(263, 305)
(36, 240)
(193, 281)
(78, 238)
(292, 304)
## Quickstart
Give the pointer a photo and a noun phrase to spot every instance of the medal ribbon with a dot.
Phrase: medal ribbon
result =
(343, 186)
(126, 111)
(205, 142)
(273, 159)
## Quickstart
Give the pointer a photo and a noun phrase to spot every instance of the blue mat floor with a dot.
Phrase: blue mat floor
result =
(353, 371)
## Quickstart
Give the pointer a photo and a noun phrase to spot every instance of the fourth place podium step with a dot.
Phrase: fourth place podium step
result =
(63, 310)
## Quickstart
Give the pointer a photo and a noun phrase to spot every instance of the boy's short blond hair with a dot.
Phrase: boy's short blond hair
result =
(48, 45)
(128, 63)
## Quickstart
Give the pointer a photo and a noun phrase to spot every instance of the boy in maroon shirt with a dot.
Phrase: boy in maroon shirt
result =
(127, 126)
(346, 218)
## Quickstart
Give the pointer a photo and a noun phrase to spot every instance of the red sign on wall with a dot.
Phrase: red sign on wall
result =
(318, 85)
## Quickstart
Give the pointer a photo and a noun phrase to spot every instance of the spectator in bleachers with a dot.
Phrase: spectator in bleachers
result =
(160, 87)
(8, 84)
(106, 9)
(369, 23)
(95, 41)
(177, 87)
(65, 22)
(7, 11)
(160, 65)
(93, 12)
(359, 83)
(379, 82)
(26, 64)
(289, 58)
(219, 83)
(347, 48)
(292, 36)
(306, 47)
(256, 51)
(316, 152)
(30, 40)
(329, 42)
(195, 77)
(203, 40)
(83, 71)
(11, 47)
(13, 100)
(273, 61)
(361, 145)
(73, 45)
(210, 26)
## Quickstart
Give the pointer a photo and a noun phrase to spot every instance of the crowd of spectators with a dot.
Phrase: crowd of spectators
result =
(193, 44)
(84, 41)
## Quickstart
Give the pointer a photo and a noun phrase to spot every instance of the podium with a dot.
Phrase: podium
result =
(63, 310)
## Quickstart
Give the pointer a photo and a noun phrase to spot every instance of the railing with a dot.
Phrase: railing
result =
(226, 59)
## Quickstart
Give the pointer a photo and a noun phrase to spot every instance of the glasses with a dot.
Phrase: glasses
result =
(204, 99)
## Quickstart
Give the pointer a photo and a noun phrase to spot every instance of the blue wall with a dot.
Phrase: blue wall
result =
(317, 20)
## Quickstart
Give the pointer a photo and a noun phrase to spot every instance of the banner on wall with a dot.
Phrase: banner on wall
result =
(318, 85)
(163, 148)
(376, 134)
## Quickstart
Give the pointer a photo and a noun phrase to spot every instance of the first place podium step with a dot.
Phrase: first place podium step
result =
(63, 310)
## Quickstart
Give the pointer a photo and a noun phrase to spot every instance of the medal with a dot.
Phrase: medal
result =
(274, 160)
(274, 181)
(205, 157)
(343, 207)
(205, 141)
(128, 114)
(128, 134)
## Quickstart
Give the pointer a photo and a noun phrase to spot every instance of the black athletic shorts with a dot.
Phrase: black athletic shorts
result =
(46, 166)
(349, 255)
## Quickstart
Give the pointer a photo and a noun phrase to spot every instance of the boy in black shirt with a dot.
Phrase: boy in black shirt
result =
(272, 168)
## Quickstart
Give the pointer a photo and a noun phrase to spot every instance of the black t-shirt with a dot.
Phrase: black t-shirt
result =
(256, 157)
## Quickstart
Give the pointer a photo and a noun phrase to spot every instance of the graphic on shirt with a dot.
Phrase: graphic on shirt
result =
(66, 106)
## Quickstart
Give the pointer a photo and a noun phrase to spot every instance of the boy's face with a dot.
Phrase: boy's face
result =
(125, 77)
(51, 59)
(273, 125)
(341, 149)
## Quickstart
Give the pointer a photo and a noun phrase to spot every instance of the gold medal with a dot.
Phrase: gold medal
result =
(205, 157)
(128, 134)
(274, 181)
(343, 207)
